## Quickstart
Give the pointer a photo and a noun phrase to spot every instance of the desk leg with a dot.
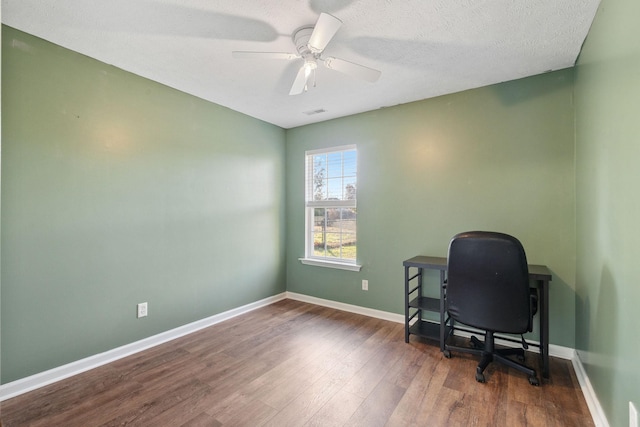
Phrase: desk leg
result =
(543, 285)
(406, 304)
(443, 327)
(420, 271)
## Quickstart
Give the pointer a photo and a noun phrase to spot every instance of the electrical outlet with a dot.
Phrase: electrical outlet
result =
(365, 285)
(142, 309)
(633, 415)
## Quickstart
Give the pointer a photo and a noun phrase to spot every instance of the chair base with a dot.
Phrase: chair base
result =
(488, 353)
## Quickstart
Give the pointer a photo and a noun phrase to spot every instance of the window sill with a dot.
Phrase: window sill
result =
(330, 264)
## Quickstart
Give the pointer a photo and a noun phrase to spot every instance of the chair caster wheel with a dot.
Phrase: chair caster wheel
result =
(480, 377)
(534, 381)
(447, 354)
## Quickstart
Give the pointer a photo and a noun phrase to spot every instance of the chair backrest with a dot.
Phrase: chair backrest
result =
(488, 282)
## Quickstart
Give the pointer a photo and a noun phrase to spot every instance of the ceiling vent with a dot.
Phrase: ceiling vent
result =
(318, 111)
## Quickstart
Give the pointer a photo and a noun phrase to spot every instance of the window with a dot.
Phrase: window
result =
(330, 203)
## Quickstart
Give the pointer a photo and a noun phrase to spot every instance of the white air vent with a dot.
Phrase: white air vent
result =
(312, 112)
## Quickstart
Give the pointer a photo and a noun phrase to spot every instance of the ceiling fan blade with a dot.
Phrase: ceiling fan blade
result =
(326, 27)
(300, 82)
(352, 69)
(263, 55)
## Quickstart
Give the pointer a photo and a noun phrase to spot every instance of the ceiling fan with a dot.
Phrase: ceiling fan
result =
(310, 42)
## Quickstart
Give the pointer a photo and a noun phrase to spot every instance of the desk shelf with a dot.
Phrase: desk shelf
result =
(425, 303)
(417, 305)
(427, 329)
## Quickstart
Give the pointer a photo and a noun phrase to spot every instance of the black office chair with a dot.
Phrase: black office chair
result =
(488, 288)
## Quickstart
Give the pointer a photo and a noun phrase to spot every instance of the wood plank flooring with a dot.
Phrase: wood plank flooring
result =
(297, 364)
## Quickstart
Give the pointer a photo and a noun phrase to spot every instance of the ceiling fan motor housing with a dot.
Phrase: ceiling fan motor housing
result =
(301, 40)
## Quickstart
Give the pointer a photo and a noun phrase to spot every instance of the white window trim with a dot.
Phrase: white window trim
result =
(320, 262)
(330, 264)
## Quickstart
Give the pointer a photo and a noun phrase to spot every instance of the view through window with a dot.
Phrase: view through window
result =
(331, 183)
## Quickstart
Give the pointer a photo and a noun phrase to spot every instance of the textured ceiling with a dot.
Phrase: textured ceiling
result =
(424, 48)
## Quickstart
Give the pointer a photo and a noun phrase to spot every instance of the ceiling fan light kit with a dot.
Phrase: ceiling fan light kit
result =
(310, 42)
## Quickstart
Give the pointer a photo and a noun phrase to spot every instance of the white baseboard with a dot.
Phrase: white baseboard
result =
(378, 314)
(597, 413)
(42, 379)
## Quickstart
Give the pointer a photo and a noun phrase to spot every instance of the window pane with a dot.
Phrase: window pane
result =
(320, 161)
(349, 233)
(335, 188)
(319, 246)
(333, 245)
(350, 163)
(334, 233)
(350, 188)
(319, 231)
(319, 222)
(320, 177)
(332, 176)
(334, 163)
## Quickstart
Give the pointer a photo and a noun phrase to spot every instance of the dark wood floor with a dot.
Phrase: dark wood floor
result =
(299, 364)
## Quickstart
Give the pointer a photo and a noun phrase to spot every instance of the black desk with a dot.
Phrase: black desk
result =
(414, 300)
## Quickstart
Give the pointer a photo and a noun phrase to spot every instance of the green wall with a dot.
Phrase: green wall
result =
(607, 94)
(495, 158)
(118, 190)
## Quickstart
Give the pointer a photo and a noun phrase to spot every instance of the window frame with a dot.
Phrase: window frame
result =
(310, 205)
